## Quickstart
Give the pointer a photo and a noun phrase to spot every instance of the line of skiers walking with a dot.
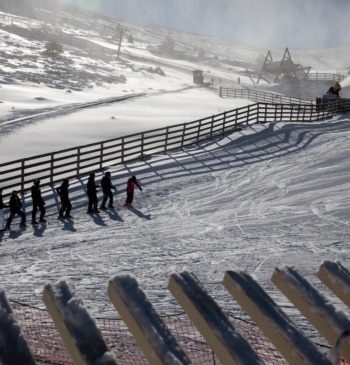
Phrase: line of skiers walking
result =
(15, 203)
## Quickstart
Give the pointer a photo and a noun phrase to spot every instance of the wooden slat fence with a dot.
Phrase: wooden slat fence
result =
(260, 96)
(321, 76)
(80, 161)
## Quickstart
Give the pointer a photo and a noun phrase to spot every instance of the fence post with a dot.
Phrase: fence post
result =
(211, 127)
(52, 168)
(281, 106)
(22, 175)
(142, 143)
(224, 123)
(183, 135)
(258, 113)
(299, 107)
(78, 161)
(166, 139)
(199, 130)
(123, 149)
(101, 155)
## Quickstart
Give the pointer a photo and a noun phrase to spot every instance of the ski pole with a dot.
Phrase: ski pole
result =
(144, 199)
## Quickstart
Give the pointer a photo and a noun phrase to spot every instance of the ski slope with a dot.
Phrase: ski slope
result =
(269, 195)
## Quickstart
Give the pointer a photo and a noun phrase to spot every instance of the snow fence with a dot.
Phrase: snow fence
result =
(204, 334)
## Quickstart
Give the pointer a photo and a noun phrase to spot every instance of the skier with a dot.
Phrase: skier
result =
(15, 208)
(130, 190)
(107, 186)
(38, 202)
(2, 214)
(91, 190)
(66, 205)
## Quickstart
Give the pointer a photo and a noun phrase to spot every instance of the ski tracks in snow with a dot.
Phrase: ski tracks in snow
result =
(226, 205)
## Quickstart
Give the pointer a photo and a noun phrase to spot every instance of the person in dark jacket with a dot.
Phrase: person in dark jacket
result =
(130, 190)
(38, 202)
(15, 208)
(2, 214)
(91, 190)
(107, 186)
(66, 205)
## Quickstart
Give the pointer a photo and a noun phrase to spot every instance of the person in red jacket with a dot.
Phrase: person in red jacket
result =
(130, 190)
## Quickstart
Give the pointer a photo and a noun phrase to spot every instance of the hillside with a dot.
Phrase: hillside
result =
(269, 195)
(90, 42)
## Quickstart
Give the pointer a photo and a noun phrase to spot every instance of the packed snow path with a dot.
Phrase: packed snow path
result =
(270, 195)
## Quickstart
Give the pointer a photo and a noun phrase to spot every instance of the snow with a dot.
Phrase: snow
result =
(60, 129)
(267, 196)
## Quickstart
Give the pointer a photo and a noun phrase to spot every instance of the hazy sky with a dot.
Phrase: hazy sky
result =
(300, 24)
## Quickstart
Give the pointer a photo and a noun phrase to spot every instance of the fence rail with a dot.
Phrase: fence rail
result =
(321, 76)
(260, 96)
(79, 161)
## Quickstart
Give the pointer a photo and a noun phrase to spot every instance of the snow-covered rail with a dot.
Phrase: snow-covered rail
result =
(85, 343)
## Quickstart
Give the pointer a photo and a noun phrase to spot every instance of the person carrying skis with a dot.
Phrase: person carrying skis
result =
(38, 202)
(2, 214)
(130, 190)
(15, 208)
(66, 205)
(91, 190)
(107, 186)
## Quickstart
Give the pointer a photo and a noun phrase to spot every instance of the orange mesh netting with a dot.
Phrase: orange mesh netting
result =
(46, 344)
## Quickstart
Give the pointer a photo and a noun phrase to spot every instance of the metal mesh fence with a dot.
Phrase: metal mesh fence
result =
(46, 344)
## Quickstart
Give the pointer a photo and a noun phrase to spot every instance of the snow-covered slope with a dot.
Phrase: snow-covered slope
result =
(270, 195)
(90, 42)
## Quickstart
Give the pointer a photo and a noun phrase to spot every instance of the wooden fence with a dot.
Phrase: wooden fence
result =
(260, 96)
(82, 160)
(321, 76)
(218, 339)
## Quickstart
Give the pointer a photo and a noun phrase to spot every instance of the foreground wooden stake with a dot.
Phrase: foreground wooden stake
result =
(78, 330)
(14, 349)
(156, 341)
(330, 322)
(290, 341)
(215, 327)
(337, 278)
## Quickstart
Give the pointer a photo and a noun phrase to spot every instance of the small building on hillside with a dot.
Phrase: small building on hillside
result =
(198, 77)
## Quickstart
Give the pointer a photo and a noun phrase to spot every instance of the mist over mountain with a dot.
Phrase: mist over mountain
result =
(90, 42)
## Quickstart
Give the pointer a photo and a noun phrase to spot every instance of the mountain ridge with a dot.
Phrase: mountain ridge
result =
(95, 37)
